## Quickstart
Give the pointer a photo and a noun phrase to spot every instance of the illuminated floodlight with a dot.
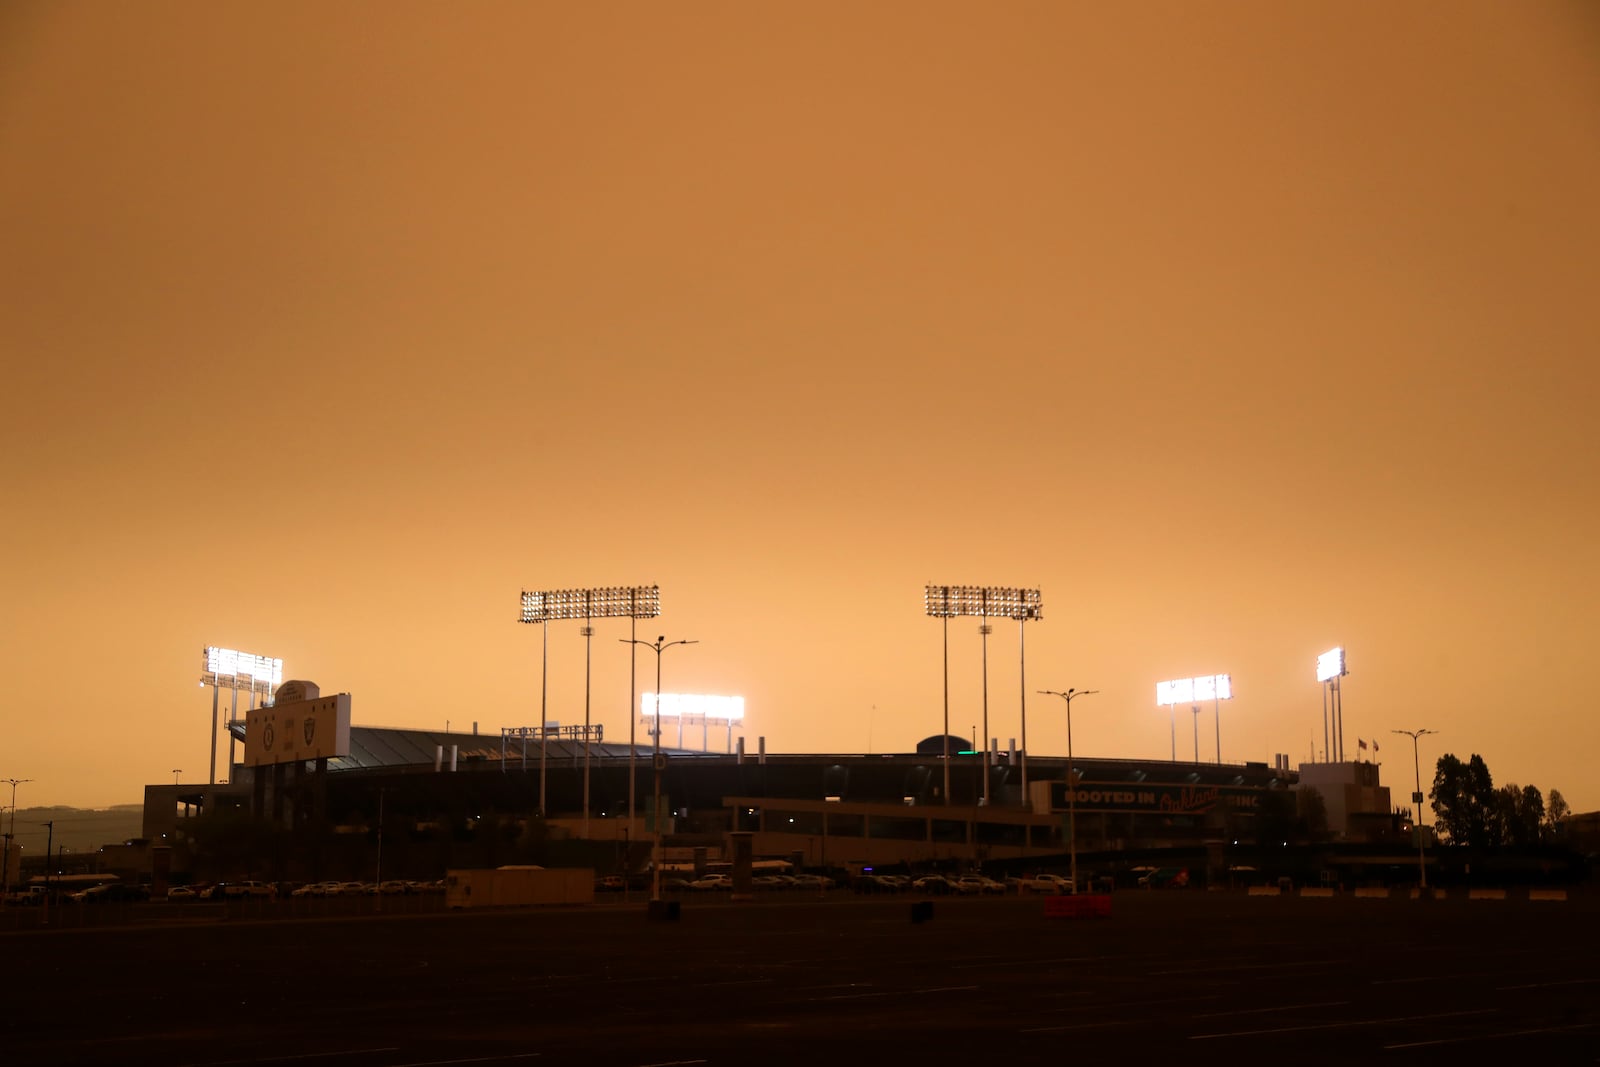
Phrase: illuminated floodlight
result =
(227, 668)
(612, 602)
(1177, 691)
(693, 706)
(1331, 665)
(1213, 687)
(984, 601)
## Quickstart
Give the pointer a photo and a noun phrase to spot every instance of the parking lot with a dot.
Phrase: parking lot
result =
(1219, 977)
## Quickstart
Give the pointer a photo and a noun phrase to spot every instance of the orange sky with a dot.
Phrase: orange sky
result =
(1240, 330)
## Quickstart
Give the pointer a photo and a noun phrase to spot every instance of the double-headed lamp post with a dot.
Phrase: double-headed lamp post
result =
(10, 835)
(1416, 800)
(1072, 783)
(658, 646)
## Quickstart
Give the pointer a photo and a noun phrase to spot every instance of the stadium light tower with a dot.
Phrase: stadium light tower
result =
(1330, 668)
(1178, 691)
(1072, 778)
(983, 602)
(609, 602)
(225, 668)
(1216, 688)
(658, 646)
(1416, 799)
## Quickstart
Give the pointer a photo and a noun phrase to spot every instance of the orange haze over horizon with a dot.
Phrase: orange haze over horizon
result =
(1241, 331)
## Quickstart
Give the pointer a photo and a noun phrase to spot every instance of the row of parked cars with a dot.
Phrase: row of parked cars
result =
(768, 882)
(247, 889)
(934, 884)
(392, 887)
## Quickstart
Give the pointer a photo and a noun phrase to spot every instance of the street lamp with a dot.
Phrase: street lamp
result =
(175, 772)
(1416, 799)
(5, 864)
(659, 645)
(1072, 782)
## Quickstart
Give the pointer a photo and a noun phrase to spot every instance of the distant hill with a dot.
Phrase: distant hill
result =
(77, 829)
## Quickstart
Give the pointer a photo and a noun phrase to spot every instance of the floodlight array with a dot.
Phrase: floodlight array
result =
(1177, 691)
(227, 668)
(985, 601)
(1331, 665)
(612, 602)
(1192, 690)
(693, 706)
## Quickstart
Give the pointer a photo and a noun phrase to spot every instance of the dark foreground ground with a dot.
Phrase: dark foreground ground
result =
(1168, 978)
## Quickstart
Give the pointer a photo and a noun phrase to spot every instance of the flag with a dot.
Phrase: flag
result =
(1374, 746)
(1360, 743)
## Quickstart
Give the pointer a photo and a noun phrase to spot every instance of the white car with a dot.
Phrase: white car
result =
(1045, 883)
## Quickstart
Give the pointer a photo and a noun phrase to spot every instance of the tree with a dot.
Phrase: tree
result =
(1449, 799)
(1465, 806)
(1555, 813)
(1520, 814)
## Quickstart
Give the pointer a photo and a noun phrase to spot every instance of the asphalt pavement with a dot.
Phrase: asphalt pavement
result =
(1201, 977)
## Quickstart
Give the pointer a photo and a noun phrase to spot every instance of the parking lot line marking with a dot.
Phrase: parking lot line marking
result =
(1434, 977)
(1077, 1026)
(1504, 1033)
(477, 1059)
(1547, 985)
(1250, 967)
(295, 1058)
(1343, 1026)
(1263, 1011)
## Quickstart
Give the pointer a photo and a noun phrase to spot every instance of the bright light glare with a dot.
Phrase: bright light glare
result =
(693, 706)
(1330, 664)
(226, 667)
(1213, 687)
(1177, 691)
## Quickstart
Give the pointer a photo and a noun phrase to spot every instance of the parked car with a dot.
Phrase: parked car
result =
(1045, 883)
(933, 883)
(235, 890)
(112, 893)
(712, 882)
(1165, 878)
(875, 883)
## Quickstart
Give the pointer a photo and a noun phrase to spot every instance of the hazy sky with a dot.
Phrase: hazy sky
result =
(1240, 330)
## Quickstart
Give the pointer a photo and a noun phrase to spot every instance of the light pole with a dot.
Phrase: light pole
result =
(1416, 800)
(658, 646)
(984, 629)
(1022, 656)
(1072, 778)
(175, 772)
(5, 863)
(983, 602)
(611, 602)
